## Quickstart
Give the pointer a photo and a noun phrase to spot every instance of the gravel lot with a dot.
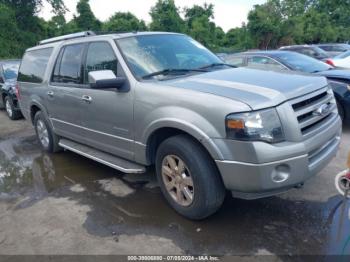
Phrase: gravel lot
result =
(66, 204)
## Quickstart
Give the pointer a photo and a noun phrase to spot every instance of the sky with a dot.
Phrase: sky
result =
(228, 13)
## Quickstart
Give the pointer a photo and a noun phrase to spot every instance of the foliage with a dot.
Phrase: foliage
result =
(121, 22)
(165, 17)
(270, 25)
(86, 19)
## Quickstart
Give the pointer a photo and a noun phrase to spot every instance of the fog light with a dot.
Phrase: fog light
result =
(281, 174)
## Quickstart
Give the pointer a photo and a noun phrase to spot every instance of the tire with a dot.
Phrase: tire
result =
(11, 111)
(208, 191)
(341, 111)
(48, 140)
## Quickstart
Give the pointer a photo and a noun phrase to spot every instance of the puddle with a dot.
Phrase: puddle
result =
(131, 207)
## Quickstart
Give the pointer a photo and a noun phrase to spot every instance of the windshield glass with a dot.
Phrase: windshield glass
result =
(148, 54)
(10, 70)
(302, 63)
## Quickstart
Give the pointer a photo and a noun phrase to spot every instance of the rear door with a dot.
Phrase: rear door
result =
(108, 117)
(65, 91)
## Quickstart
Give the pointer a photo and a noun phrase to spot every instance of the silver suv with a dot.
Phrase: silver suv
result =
(135, 100)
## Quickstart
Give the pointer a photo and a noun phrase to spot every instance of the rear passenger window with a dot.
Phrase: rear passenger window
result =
(100, 56)
(34, 65)
(68, 68)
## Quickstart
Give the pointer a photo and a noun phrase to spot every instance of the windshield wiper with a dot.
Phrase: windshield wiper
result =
(217, 64)
(170, 71)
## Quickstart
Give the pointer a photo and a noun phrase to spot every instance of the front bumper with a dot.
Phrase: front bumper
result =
(300, 160)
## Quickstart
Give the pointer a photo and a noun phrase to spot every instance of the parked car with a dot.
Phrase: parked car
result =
(134, 100)
(291, 61)
(334, 49)
(310, 50)
(342, 60)
(8, 80)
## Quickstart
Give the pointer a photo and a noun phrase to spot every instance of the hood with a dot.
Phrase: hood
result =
(336, 73)
(256, 88)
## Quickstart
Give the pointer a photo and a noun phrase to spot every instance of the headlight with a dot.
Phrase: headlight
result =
(263, 125)
(349, 87)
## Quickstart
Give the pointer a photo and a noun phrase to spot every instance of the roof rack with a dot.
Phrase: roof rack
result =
(67, 37)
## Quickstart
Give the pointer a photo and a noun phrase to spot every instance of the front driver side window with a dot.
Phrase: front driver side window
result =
(68, 65)
(100, 56)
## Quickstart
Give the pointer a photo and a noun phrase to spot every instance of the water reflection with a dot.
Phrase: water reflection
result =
(275, 224)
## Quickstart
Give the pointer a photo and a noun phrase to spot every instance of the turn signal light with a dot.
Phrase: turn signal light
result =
(235, 124)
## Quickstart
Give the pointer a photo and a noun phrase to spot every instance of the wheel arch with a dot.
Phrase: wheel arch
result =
(36, 107)
(163, 130)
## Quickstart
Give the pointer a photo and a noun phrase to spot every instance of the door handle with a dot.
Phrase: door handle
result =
(50, 93)
(86, 98)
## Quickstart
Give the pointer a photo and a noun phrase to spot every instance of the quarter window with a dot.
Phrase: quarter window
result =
(68, 67)
(100, 56)
(34, 65)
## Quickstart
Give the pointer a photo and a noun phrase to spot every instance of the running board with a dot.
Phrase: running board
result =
(101, 157)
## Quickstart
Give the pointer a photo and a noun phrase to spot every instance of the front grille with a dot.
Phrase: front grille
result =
(305, 110)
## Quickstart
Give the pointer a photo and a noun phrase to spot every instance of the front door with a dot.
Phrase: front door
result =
(107, 115)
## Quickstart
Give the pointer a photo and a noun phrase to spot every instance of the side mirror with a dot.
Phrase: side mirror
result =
(106, 79)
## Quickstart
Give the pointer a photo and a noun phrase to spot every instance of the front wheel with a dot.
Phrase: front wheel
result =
(189, 178)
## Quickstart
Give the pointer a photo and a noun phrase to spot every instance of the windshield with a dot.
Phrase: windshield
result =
(302, 63)
(149, 54)
(10, 70)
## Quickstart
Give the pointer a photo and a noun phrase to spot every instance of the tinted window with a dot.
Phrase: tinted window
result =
(262, 62)
(326, 47)
(33, 65)
(100, 56)
(68, 67)
(302, 63)
(339, 48)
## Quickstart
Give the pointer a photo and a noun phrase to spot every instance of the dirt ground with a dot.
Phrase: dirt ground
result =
(67, 204)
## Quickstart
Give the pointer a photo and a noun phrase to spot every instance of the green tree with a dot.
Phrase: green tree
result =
(165, 17)
(264, 24)
(238, 39)
(318, 28)
(120, 22)
(86, 20)
(8, 33)
(201, 27)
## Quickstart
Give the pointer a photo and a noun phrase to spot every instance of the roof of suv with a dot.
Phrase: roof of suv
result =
(92, 36)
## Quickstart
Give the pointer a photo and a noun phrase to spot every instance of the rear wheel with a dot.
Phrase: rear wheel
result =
(189, 178)
(47, 138)
(11, 111)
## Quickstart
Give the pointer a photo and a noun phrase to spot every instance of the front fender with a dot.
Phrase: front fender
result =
(191, 123)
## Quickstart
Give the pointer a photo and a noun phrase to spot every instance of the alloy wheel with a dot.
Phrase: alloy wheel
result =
(177, 180)
(43, 133)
